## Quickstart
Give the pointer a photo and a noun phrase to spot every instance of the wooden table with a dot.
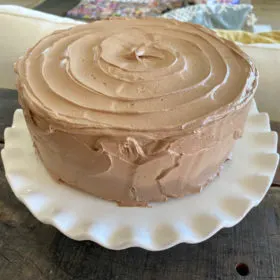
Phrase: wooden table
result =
(57, 7)
(30, 250)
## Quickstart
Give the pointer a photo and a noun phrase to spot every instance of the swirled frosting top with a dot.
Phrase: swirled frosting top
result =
(135, 75)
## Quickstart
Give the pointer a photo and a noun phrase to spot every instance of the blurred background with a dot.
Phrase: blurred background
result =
(249, 15)
(255, 24)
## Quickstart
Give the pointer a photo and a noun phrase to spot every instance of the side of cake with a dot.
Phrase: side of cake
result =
(135, 111)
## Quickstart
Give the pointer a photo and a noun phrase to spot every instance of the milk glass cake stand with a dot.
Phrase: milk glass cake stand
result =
(242, 185)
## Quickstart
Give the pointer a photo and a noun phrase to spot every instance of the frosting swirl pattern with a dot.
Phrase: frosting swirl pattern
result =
(136, 75)
(129, 90)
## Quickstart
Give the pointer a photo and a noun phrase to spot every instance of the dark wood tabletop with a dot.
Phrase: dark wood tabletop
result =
(58, 8)
(30, 250)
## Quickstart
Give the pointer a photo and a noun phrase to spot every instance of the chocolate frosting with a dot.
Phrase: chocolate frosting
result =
(127, 93)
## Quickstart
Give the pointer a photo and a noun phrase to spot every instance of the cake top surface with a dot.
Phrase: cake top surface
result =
(148, 75)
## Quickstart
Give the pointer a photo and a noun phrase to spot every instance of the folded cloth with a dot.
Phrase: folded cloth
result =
(101, 9)
(215, 1)
(244, 37)
(23, 3)
(219, 16)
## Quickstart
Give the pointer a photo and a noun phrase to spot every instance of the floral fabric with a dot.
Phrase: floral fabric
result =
(101, 9)
(217, 16)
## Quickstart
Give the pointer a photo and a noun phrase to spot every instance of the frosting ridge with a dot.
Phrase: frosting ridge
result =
(135, 111)
(136, 75)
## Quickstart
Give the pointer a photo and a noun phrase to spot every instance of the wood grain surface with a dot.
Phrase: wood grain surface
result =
(57, 7)
(30, 250)
(8, 104)
(275, 126)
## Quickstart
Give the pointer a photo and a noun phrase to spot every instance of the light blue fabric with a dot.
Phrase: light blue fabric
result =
(219, 16)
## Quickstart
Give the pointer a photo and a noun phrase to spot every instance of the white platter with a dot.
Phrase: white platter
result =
(242, 185)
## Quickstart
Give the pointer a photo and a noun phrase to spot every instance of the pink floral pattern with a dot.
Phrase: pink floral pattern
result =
(101, 9)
